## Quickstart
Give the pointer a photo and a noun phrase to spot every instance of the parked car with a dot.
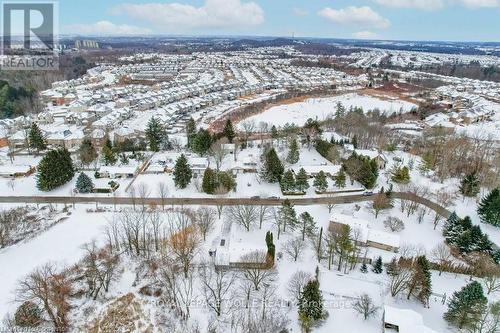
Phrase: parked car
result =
(367, 193)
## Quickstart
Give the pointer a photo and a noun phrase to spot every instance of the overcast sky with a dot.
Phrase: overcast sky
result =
(453, 20)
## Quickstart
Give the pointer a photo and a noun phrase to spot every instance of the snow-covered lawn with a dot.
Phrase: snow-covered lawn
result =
(60, 244)
(321, 108)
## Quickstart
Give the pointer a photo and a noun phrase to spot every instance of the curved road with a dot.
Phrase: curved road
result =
(341, 199)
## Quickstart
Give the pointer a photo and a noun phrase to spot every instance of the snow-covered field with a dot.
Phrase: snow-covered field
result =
(322, 108)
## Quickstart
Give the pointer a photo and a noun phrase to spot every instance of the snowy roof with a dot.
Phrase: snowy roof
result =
(407, 320)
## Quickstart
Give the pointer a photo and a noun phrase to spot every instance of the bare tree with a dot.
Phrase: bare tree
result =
(257, 269)
(265, 214)
(144, 192)
(205, 220)
(364, 306)
(399, 280)
(99, 269)
(133, 195)
(244, 215)
(492, 283)
(184, 245)
(217, 285)
(218, 151)
(220, 191)
(296, 283)
(51, 289)
(394, 224)
(294, 247)
(163, 193)
(442, 254)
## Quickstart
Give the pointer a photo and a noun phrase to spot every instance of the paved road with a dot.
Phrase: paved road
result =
(340, 199)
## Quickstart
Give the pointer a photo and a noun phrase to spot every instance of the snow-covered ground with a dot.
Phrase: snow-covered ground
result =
(322, 108)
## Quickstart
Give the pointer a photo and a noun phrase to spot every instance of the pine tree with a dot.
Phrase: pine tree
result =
(320, 182)
(308, 225)
(288, 182)
(274, 133)
(54, 170)
(228, 131)
(340, 179)
(154, 134)
(378, 266)
(489, 208)
(470, 185)
(401, 175)
(452, 229)
(420, 285)
(272, 169)
(466, 306)
(209, 181)
(340, 110)
(288, 215)
(190, 131)
(293, 153)
(87, 152)
(108, 153)
(364, 268)
(392, 268)
(302, 181)
(35, 138)
(355, 141)
(84, 184)
(201, 142)
(182, 172)
(311, 305)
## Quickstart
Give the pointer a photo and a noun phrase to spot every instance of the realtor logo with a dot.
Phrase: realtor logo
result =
(29, 40)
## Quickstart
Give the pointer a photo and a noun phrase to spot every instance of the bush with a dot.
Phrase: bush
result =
(28, 314)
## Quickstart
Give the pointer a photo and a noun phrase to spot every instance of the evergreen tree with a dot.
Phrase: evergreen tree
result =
(293, 153)
(311, 305)
(55, 169)
(84, 184)
(364, 268)
(340, 179)
(228, 131)
(340, 110)
(420, 285)
(378, 266)
(108, 153)
(87, 152)
(361, 169)
(452, 228)
(288, 182)
(320, 182)
(302, 181)
(182, 172)
(154, 134)
(35, 138)
(466, 306)
(401, 175)
(190, 131)
(272, 169)
(355, 141)
(274, 133)
(392, 268)
(489, 208)
(201, 142)
(288, 215)
(308, 225)
(470, 185)
(209, 181)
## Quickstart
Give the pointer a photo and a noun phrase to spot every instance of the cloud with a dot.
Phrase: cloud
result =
(366, 35)
(363, 16)
(105, 28)
(300, 12)
(181, 17)
(480, 3)
(417, 4)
